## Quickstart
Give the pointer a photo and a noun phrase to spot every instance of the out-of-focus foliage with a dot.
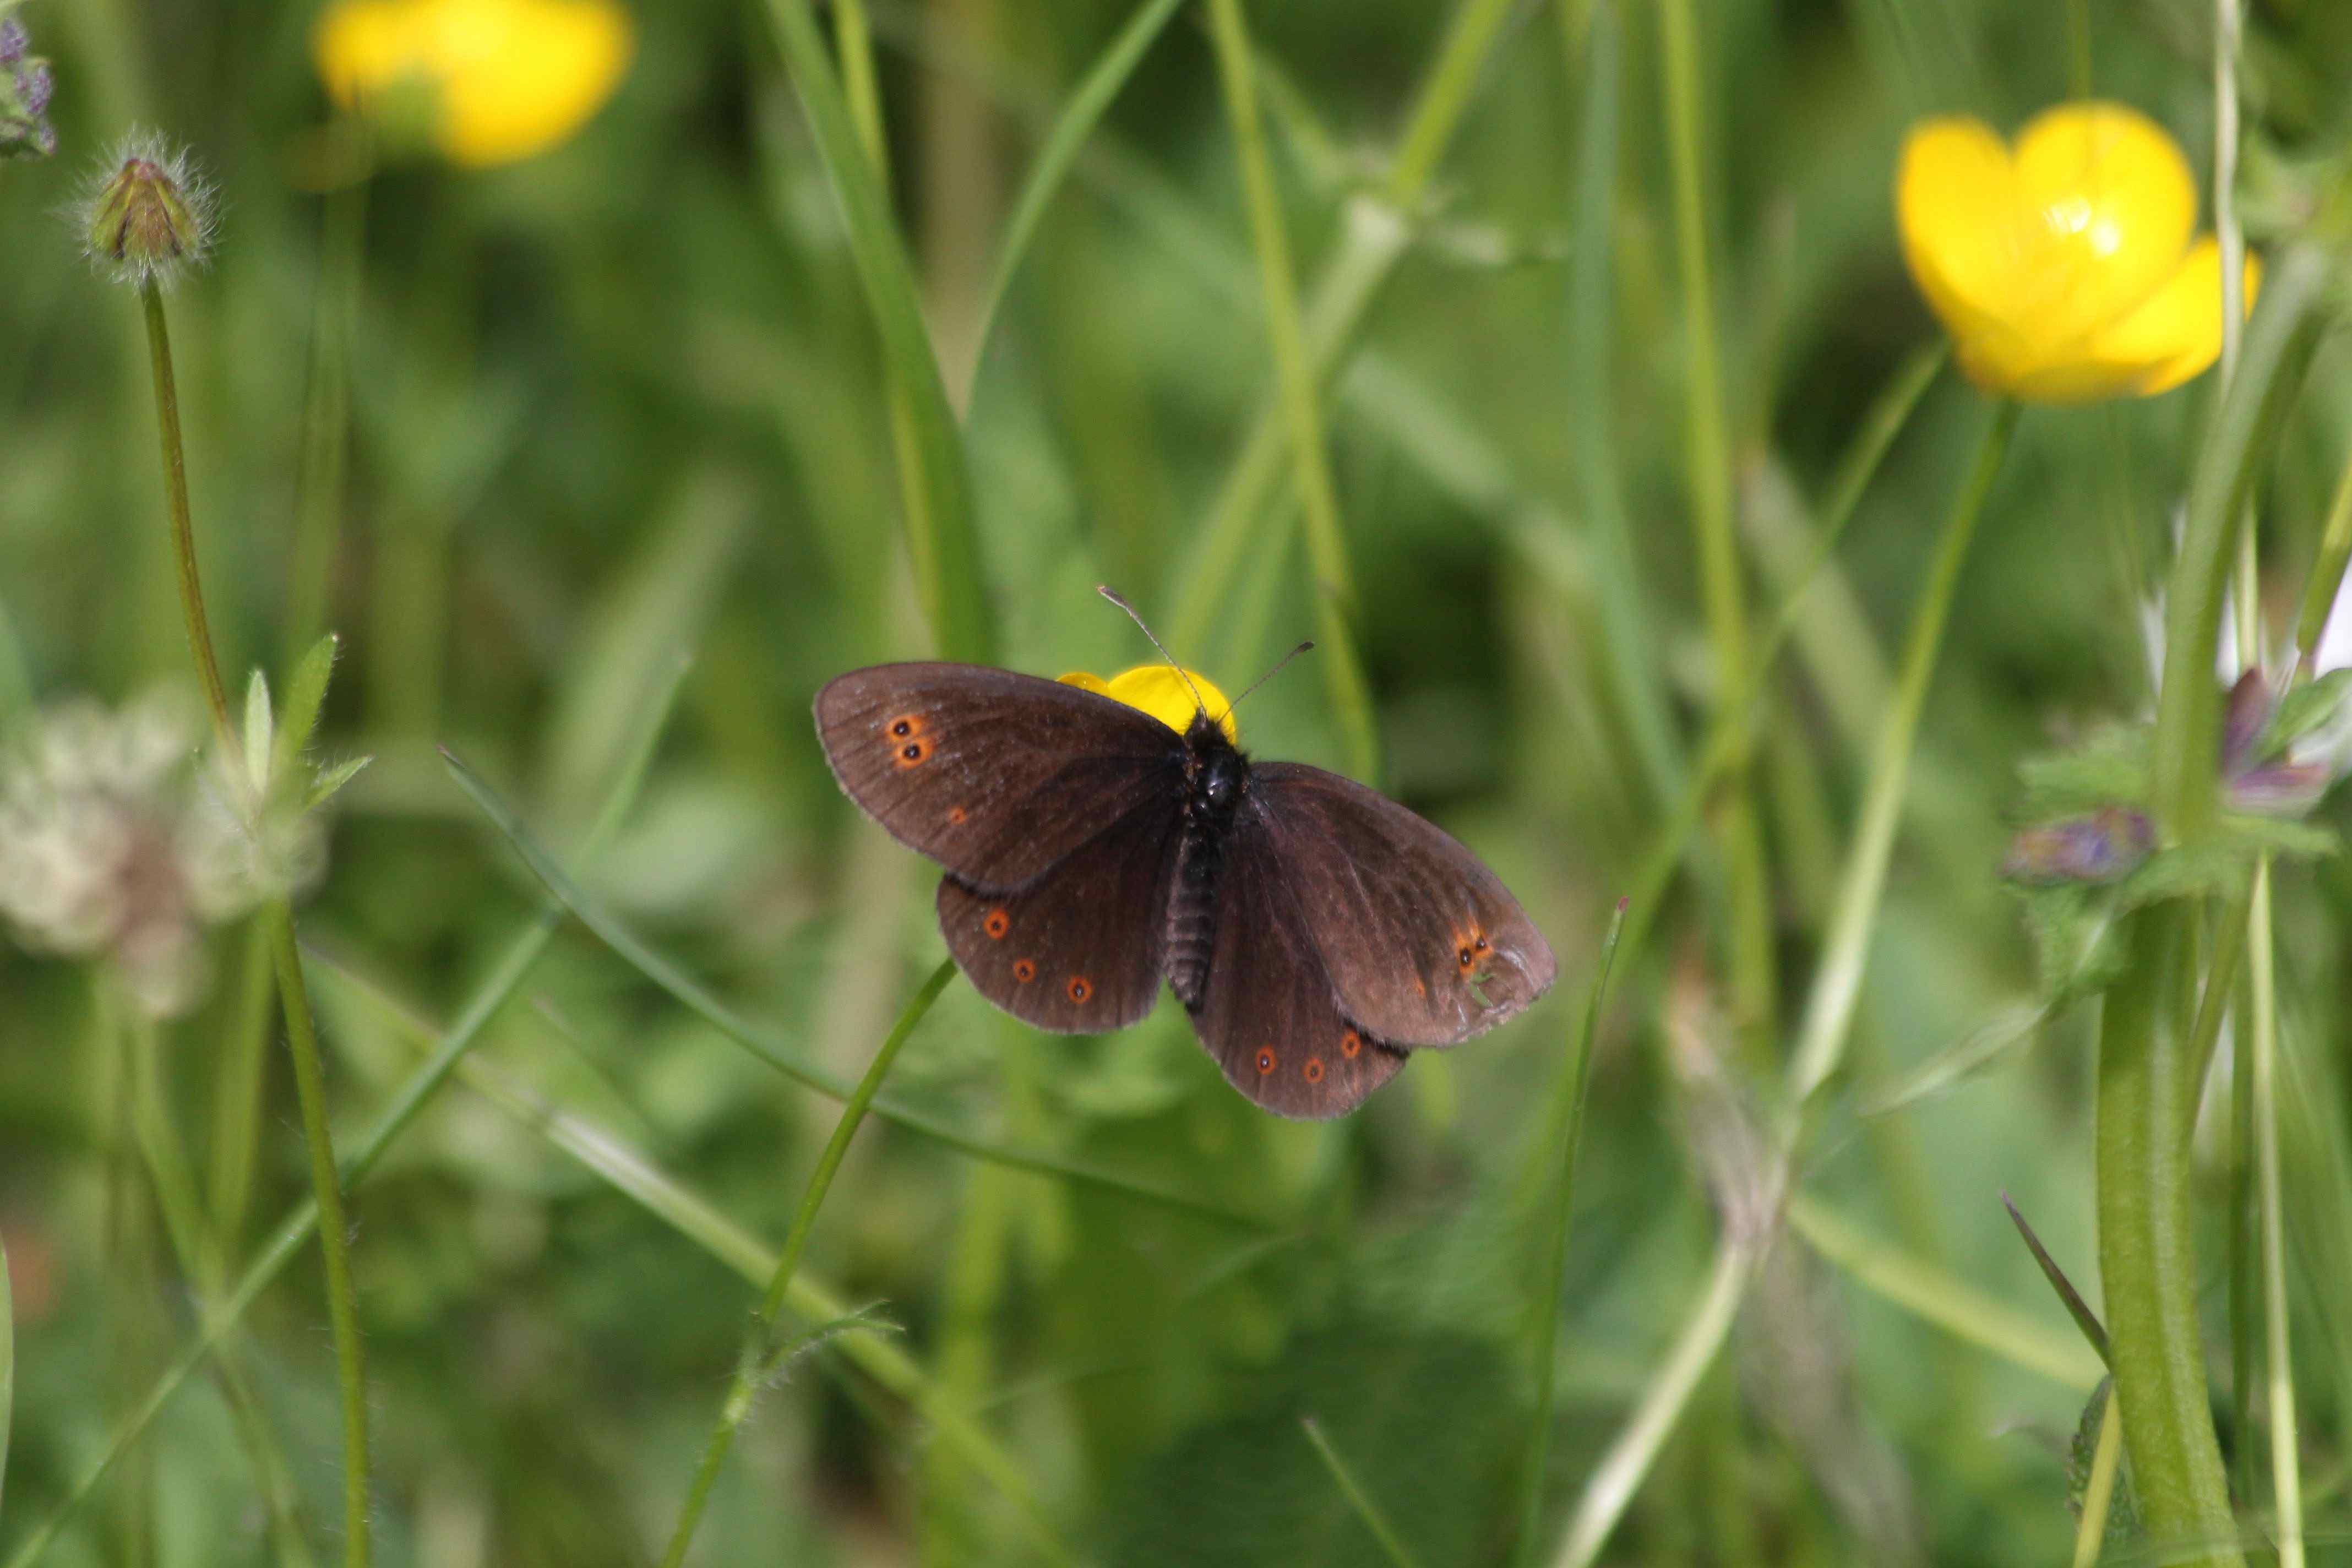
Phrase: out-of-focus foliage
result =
(622, 401)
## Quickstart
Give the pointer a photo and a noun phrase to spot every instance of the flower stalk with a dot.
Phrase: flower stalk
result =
(278, 916)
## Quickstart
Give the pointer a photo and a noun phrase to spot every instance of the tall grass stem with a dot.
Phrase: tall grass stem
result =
(184, 530)
(754, 1367)
(1837, 978)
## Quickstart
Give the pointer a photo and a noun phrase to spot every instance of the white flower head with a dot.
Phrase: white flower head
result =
(116, 845)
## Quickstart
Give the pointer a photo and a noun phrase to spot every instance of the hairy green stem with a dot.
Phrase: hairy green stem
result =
(2147, 1106)
(343, 1310)
(756, 1364)
(183, 531)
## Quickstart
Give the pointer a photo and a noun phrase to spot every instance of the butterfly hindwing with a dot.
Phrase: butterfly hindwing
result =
(1268, 1014)
(1078, 950)
(995, 774)
(1424, 944)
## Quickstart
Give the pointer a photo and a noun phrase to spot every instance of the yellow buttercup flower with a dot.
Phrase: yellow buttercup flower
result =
(1160, 691)
(497, 80)
(2064, 264)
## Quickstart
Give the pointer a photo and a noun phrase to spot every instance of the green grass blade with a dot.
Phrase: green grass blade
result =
(942, 532)
(1366, 1511)
(1618, 1476)
(2246, 426)
(1565, 1127)
(1632, 668)
(2094, 1331)
(7, 1364)
(1075, 122)
(1952, 1305)
(1837, 979)
(1299, 382)
(642, 1179)
(2319, 589)
(287, 1241)
(700, 1000)
(2099, 1493)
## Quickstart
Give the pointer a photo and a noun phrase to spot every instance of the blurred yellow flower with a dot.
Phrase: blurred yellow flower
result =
(2063, 265)
(1160, 691)
(498, 80)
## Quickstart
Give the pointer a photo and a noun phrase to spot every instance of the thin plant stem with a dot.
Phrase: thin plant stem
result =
(1374, 1521)
(416, 1090)
(239, 1091)
(2099, 1492)
(1333, 588)
(326, 416)
(630, 1170)
(7, 1364)
(278, 915)
(335, 1245)
(2286, 1475)
(1568, 1118)
(1619, 1474)
(1371, 243)
(175, 1185)
(2326, 569)
(1837, 979)
(1707, 460)
(758, 1350)
(183, 532)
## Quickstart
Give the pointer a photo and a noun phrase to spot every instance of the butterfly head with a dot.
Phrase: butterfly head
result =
(1218, 771)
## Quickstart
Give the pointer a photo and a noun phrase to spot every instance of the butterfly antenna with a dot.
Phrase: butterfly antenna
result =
(1116, 597)
(1269, 675)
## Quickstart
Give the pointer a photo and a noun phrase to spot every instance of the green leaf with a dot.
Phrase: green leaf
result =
(2251, 835)
(256, 734)
(304, 697)
(2076, 1307)
(2123, 1513)
(329, 780)
(2111, 768)
(2070, 928)
(2008, 1031)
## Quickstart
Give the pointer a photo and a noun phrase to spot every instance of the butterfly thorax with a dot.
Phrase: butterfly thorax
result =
(1216, 778)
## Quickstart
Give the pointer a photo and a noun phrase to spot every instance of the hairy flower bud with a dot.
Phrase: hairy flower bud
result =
(148, 216)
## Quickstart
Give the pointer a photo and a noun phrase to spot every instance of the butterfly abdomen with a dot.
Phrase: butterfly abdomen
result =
(1191, 915)
(1216, 775)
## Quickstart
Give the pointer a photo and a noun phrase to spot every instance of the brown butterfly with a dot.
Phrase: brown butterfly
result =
(1314, 929)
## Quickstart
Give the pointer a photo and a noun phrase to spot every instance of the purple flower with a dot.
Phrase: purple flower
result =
(2102, 846)
(13, 43)
(34, 85)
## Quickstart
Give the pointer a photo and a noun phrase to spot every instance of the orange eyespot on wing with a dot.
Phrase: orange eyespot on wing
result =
(1312, 1069)
(912, 753)
(1352, 1044)
(1424, 944)
(1267, 1060)
(1077, 951)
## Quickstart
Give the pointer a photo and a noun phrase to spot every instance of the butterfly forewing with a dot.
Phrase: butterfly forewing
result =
(1078, 950)
(1424, 944)
(1268, 1014)
(995, 774)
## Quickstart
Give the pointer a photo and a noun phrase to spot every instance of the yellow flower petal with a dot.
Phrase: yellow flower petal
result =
(1160, 691)
(1954, 210)
(2178, 333)
(2105, 206)
(2061, 266)
(508, 79)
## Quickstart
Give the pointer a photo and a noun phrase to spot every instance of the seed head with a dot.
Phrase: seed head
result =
(148, 215)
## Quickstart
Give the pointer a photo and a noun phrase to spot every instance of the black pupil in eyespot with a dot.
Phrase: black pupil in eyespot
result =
(900, 727)
(912, 752)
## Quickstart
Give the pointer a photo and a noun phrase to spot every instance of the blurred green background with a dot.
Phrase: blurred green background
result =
(624, 404)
